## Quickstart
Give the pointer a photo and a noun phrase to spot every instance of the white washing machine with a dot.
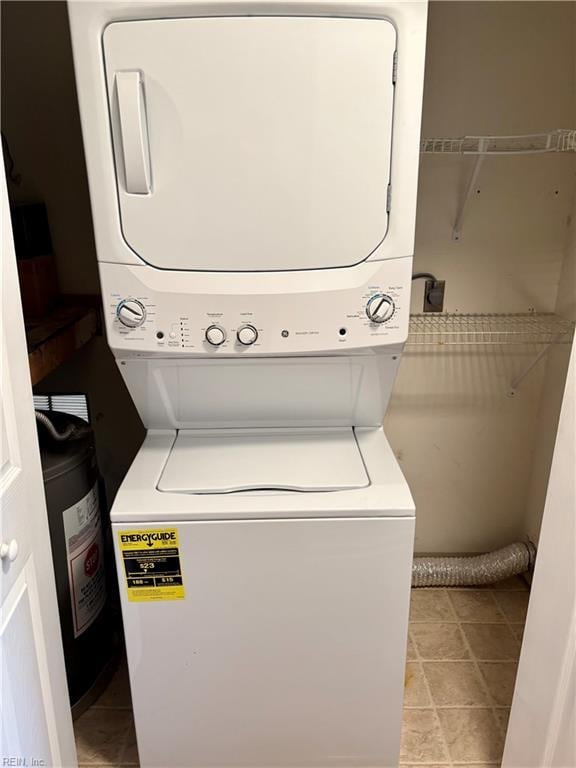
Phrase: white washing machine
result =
(253, 171)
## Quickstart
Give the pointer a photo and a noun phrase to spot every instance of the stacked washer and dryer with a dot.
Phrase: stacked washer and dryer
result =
(253, 171)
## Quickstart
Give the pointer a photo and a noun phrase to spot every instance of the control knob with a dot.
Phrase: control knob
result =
(380, 308)
(131, 313)
(215, 335)
(247, 335)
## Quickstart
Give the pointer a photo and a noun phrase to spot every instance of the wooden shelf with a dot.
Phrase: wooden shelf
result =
(55, 338)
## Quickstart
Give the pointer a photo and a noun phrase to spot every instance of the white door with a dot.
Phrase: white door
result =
(257, 143)
(34, 705)
(542, 730)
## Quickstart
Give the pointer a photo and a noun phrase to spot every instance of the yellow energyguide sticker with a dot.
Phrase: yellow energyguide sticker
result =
(152, 567)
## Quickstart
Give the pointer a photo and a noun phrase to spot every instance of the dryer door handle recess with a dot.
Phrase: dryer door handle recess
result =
(133, 132)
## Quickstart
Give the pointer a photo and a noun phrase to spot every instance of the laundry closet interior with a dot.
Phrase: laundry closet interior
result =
(473, 415)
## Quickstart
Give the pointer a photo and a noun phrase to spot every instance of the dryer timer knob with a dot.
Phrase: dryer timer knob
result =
(131, 313)
(380, 308)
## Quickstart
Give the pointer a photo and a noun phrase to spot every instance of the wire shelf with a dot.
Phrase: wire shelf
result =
(496, 329)
(560, 140)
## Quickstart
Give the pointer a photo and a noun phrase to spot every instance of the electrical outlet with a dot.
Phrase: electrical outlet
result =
(434, 295)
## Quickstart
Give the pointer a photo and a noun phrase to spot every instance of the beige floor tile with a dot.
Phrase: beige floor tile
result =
(427, 765)
(492, 641)
(410, 650)
(513, 604)
(500, 679)
(439, 641)
(454, 683)
(502, 717)
(430, 605)
(117, 693)
(518, 631)
(514, 584)
(130, 754)
(421, 737)
(415, 690)
(476, 606)
(472, 735)
(101, 734)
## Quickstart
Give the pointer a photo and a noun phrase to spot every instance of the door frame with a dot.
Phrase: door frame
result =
(542, 728)
(27, 573)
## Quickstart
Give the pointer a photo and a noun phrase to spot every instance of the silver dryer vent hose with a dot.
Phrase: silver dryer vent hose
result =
(477, 569)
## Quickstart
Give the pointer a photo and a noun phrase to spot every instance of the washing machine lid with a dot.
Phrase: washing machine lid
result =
(263, 459)
(251, 143)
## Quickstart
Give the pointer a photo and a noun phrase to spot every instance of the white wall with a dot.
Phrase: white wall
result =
(552, 392)
(465, 446)
(553, 389)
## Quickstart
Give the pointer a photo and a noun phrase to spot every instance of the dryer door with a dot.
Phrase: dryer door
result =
(252, 143)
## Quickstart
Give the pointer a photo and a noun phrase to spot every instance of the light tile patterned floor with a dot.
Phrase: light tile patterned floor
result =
(105, 733)
(462, 659)
(462, 656)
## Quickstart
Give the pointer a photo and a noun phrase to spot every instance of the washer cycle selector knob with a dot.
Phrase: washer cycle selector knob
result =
(380, 308)
(131, 313)
(247, 335)
(215, 335)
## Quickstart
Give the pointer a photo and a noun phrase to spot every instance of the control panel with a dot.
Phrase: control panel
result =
(164, 319)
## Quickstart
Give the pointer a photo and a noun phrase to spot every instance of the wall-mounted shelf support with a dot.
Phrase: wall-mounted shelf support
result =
(517, 380)
(459, 330)
(457, 230)
(560, 140)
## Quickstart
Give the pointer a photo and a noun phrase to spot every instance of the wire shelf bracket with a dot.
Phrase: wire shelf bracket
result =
(459, 223)
(448, 330)
(560, 140)
(517, 380)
